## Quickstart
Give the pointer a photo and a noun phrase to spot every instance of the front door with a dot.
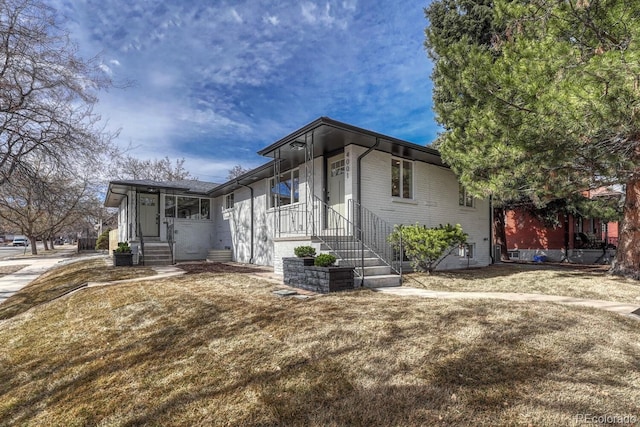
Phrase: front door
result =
(149, 215)
(335, 184)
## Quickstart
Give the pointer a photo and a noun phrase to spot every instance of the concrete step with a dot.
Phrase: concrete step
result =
(368, 262)
(149, 263)
(341, 245)
(376, 270)
(381, 281)
(219, 255)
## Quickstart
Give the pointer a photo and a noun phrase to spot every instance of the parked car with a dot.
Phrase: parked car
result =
(20, 241)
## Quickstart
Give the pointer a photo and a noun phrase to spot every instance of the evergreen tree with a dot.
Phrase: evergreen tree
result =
(548, 107)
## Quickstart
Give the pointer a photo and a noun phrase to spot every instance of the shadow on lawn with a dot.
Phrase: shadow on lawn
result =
(488, 374)
(509, 269)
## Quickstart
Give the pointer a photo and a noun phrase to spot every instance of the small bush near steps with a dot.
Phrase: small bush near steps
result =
(304, 251)
(324, 260)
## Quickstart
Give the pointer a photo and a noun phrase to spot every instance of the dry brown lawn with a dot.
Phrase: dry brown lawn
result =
(221, 349)
(60, 281)
(591, 282)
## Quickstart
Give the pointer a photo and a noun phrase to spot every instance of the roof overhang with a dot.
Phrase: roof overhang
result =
(118, 190)
(251, 177)
(328, 135)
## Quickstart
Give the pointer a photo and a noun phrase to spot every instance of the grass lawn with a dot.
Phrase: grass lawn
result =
(58, 282)
(591, 282)
(221, 349)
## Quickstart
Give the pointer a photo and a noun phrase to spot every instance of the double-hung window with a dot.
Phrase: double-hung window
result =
(464, 198)
(286, 191)
(229, 201)
(401, 178)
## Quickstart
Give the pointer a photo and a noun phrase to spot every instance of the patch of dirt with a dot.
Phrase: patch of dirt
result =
(222, 267)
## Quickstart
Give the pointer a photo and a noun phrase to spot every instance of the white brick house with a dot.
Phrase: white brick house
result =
(339, 188)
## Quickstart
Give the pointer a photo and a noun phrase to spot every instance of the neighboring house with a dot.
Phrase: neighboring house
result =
(575, 239)
(330, 185)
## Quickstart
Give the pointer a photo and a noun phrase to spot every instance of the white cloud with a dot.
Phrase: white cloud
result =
(236, 16)
(271, 19)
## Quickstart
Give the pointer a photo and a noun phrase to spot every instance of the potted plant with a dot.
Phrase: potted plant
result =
(122, 255)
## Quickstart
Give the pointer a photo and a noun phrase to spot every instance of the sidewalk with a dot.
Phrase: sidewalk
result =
(627, 309)
(33, 268)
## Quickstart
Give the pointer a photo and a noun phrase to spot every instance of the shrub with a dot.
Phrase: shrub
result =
(123, 248)
(304, 251)
(324, 260)
(103, 240)
(427, 247)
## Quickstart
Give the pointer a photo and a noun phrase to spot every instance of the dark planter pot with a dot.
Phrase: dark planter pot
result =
(122, 259)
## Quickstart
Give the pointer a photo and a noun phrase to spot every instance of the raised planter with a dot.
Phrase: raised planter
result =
(328, 279)
(293, 270)
(301, 273)
(122, 259)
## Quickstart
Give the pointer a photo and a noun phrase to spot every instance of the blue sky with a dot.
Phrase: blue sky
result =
(215, 81)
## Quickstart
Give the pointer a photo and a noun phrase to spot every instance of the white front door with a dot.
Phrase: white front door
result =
(335, 184)
(149, 215)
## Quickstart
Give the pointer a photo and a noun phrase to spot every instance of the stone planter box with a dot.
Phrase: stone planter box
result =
(293, 270)
(301, 273)
(122, 259)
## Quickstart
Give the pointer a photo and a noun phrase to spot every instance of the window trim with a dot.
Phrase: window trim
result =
(175, 207)
(270, 194)
(465, 200)
(401, 197)
(463, 251)
(229, 197)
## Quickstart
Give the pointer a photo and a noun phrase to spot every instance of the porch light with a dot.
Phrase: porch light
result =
(297, 145)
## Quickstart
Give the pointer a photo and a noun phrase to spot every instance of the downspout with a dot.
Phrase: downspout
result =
(492, 249)
(251, 260)
(359, 202)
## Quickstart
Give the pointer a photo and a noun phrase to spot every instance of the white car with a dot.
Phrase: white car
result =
(20, 241)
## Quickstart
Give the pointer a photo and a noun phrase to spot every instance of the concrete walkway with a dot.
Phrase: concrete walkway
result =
(33, 268)
(627, 309)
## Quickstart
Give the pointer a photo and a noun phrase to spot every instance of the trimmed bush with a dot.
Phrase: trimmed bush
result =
(304, 251)
(427, 247)
(103, 240)
(324, 260)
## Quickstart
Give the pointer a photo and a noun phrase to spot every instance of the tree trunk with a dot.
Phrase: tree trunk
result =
(500, 232)
(627, 261)
(34, 250)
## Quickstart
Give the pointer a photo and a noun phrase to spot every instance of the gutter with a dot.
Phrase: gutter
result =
(251, 260)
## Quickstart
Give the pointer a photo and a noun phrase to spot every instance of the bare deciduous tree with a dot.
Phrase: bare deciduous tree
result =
(236, 171)
(129, 167)
(47, 91)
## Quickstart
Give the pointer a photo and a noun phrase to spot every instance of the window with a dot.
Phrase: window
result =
(287, 191)
(205, 208)
(228, 201)
(187, 207)
(170, 206)
(464, 198)
(402, 178)
(467, 250)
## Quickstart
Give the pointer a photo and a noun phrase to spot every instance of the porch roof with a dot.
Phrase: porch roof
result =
(331, 135)
(117, 189)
